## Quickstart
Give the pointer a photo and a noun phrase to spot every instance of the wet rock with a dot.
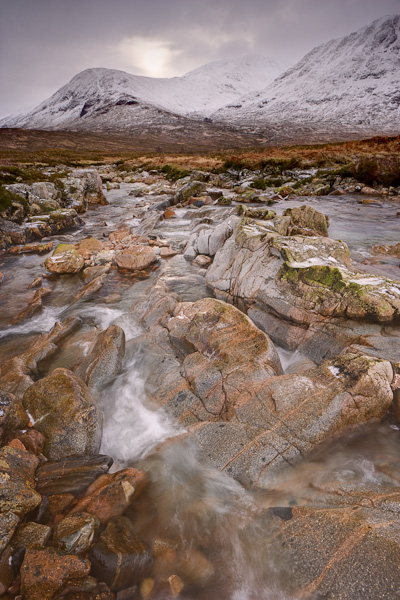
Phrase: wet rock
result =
(89, 246)
(87, 185)
(75, 533)
(32, 248)
(120, 558)
(65, 259)
(29, 535)
(110, 495)
(202, 261)
(307, 221)
(46, 572)
(91, 288)
(356, 555)
(35, 304)
(17, 471)
(8, 523)
(32, 439)
(71, 475)
(169, 213)
(104, 257)
(64, 410)
(91, 273)
(136, 258)
(390, 250)
(12, 415)
(122, 233)
(16, 374)
(286, 417)
(36, 283)
(167, 252)
(104, 362)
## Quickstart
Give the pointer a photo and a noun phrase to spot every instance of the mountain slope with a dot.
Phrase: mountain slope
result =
(109, 96)
(346, 87)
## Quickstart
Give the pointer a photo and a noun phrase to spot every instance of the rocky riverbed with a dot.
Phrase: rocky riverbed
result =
(199, 388)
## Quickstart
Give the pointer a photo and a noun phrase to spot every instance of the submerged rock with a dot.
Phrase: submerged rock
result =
(64, 410)
(35, 304)
(120, 558)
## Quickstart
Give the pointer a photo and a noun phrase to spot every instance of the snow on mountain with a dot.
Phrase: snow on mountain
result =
(116, 98)
(346, 87)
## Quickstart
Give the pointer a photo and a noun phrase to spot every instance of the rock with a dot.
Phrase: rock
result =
(110, 495)
(192, 188)
(64, 410)
(65, 259)
(208, 241)
(17, 471)
(176, 585)
(32, 439)
(390, 250)
(89, 246)
(34, 305)
(287, 417)
(29, 535)
(298, 289)
(71, 475)
(305, 218)
(356, 555)
(104, 362)
(75, 533)
(36, 283)
(87, 183)
(167, 252)
(120, 234)
(202, 261)
(8, 523)
(169, 213)
(1, 277)
(46, 572)
(91, 288)
(120, 558)
(104, 257)
(91, 273)
(32, 248)
(12, 415)
(136, 258)
(17, 373)
(6, 572)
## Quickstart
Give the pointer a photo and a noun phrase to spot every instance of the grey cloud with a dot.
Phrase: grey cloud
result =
(46, 42)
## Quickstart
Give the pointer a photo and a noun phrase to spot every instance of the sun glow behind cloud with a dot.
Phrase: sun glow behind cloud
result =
(152, 57)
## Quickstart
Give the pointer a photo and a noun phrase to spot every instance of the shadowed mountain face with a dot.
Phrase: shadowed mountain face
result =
(344, 89)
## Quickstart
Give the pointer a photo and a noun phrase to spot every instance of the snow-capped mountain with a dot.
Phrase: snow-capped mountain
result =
(111, 99)
(346, 87)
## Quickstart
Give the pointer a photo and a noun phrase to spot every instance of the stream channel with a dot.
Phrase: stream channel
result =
(207, 510)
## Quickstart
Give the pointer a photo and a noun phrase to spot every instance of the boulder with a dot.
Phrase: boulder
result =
(17, 472)
(63, 409)
(104, 362)
(89, 246)
(136, 258)
(302, 291)
(45, 573)
(188, 190)
(65, 259)
(209, 241)
(286, 417)
(120, 558)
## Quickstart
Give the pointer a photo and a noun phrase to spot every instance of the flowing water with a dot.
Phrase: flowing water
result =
(218, 531)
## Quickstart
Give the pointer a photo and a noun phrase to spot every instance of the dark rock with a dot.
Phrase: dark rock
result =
(71, 475)
(12, 415)
(75, 533)
(120, 558)
(29, 535)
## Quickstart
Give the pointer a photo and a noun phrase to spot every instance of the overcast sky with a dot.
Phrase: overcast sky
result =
(44, 43)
